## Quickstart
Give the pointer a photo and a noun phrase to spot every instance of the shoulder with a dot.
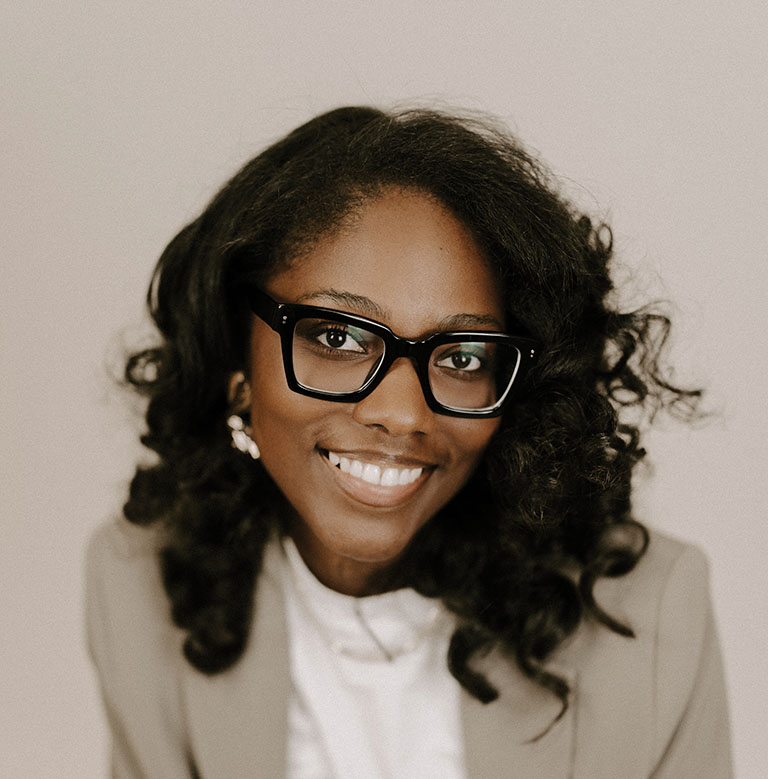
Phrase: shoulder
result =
(128, 614)
(136, 650)
(117, 539)
(669, 583)
(639, 694)
(665, 601)
(122, 569)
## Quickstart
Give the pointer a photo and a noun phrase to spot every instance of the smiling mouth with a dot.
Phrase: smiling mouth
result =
(374, 474)
(372, 483)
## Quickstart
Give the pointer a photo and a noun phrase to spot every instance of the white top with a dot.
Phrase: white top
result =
(371, 697)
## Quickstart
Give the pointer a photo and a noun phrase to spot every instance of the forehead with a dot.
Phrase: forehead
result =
(408, 254)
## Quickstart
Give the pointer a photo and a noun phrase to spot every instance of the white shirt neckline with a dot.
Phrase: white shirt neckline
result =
(352, 712)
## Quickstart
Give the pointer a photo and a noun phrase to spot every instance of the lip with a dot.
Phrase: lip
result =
(375, 494)
(384, 459)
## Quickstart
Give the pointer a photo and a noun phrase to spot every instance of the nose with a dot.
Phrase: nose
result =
(397, 405)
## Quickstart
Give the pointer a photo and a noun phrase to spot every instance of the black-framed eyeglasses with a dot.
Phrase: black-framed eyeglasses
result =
(342, 357)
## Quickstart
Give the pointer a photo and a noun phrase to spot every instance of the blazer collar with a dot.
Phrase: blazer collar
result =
(237, 719)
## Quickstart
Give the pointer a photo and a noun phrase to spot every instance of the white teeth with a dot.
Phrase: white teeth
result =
(373, 474)
(415, 473)
(391, 477)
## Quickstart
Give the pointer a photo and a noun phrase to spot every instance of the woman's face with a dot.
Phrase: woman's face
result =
(408, 259)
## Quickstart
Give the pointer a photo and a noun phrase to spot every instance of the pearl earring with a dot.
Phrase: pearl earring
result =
(240, 438)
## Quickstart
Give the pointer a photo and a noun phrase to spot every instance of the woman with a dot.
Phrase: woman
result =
(388, 529)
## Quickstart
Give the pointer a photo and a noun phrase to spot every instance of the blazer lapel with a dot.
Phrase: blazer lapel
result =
(237, 719)
(500, 737)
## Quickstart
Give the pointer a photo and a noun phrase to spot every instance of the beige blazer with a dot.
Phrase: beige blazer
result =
(653, 706)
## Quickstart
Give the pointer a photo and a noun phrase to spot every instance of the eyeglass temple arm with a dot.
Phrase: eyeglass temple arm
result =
(265, 308)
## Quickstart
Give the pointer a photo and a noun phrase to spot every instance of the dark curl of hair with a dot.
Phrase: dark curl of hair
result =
(550, 502)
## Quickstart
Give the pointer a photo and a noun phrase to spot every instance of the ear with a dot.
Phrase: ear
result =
(239, 392)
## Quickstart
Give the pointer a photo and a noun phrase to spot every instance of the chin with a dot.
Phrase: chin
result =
(372, 548)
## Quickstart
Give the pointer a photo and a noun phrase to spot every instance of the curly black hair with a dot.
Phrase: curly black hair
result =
(550, 501)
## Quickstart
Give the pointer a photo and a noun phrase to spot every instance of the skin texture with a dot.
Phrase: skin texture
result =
(419, 265)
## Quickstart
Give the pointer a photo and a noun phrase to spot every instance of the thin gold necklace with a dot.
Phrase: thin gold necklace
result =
(339, 648)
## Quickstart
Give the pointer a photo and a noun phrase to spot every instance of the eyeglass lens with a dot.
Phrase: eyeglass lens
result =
(336, 357)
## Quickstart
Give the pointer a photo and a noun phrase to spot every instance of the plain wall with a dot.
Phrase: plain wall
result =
(120, 119)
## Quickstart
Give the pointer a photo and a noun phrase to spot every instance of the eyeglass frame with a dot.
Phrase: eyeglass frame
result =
(282, 318)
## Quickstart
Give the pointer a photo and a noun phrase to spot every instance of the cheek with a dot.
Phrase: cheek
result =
(472, 436)
(283, 427)
(276, 412)
(280, 418)
(467, 440)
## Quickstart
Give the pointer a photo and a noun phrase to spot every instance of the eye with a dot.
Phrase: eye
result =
(340, 338)
(462, 359)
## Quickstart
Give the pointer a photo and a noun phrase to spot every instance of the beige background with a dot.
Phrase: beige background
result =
(118, 121)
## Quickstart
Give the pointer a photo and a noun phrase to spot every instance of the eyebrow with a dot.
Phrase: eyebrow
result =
(359, 303)
(468, 322)
(367, 307)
